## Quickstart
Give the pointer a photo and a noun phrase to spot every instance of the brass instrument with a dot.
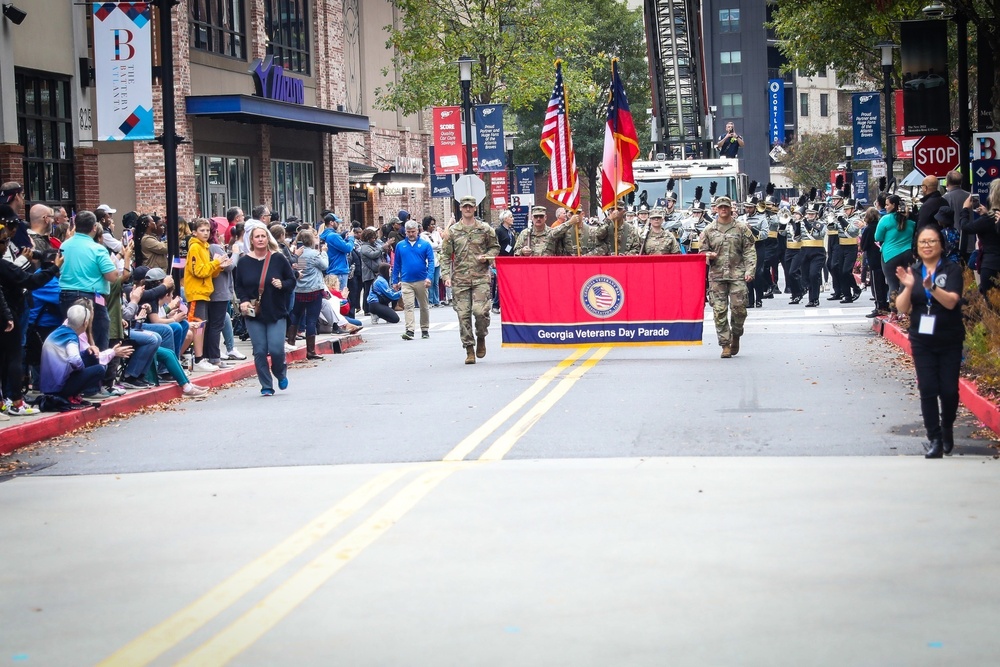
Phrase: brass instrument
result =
(784, 216)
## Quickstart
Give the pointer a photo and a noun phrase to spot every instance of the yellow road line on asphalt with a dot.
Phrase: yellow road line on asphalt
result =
(158, 640)
(250, 627)
(473, 440)
(505, 442)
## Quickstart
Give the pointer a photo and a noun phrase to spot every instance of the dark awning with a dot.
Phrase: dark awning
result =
(397, 178)
(262, 111)
(359, 171)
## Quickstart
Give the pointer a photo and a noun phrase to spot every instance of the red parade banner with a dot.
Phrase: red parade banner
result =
(499, 193)
(618, 301)
(449, 154)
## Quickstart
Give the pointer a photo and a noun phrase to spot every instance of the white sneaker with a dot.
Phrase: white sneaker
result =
(221, 364)
(193, 390)
(374, 319)
(289, 348)
(235, 355)
(23, 411)
(205, 366)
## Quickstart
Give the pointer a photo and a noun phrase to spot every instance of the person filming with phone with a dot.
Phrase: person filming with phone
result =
(982, 221)
(730, 143)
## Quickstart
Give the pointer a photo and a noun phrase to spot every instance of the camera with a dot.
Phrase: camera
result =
(47, 256)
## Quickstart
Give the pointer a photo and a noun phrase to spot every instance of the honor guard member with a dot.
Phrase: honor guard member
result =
(792, 260)
(812, 252)
(467, 252)
(658, 240)
(573, 238)
(848, 234)
(642, 218)
(630, 216)
(534, 241)
(694, 225)
(833, 254)
(772, 255)
(616, 236)
(728, 248)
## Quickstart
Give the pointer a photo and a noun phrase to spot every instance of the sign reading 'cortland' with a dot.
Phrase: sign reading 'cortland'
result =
(573, 301)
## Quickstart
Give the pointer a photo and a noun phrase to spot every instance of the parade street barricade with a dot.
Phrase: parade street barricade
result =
(574, 301)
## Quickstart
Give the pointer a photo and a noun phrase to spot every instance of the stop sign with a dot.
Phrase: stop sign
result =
(935, 155)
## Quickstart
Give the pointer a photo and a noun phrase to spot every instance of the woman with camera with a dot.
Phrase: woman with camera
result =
(263, 281)
(977, 219)
(312, 264)
(931, 294)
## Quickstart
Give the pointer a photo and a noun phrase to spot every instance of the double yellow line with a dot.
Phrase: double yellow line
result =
(267, 613)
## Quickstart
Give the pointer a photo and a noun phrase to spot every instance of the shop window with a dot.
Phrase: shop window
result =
(222, 182)
(729, 20)
(731, 63)
(286, 24)
(217, 27)
(44, 127)
(294, 190)
(732, 105)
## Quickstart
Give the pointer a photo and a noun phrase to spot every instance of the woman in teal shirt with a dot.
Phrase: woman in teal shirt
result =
(895, 236)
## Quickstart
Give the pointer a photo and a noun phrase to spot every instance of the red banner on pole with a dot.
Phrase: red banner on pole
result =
(580, 301)
(904, 144)
(499, 192)
(449, 153)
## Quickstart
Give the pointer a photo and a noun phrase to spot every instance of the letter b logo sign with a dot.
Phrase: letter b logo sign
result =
(123, 44)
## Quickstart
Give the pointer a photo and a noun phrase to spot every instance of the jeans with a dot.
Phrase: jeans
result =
(434, 296)
(227, 333)
(173, 334)
(306, 315)
(268, 338)
(167, 359)
(143, 352)
(79, 381)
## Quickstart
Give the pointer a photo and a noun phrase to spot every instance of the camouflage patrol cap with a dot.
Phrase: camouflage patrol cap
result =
(724, 201)
(657, 213)
(538, 210)
(467, 201)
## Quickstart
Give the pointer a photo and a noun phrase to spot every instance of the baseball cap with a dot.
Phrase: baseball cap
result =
(7, 196)
(404, 215)
(107, 209)
(331, 217)
(467, 201)
(155, 274)
(724, 201)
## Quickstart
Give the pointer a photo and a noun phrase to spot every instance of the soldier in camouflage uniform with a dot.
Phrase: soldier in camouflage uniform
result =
(467, 251)
(728, 247)
(573, 238)
(534, 241)
(617, 236)
(659, 241)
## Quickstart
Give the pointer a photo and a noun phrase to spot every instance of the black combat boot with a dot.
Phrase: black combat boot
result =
(947, 439)
(936, 451)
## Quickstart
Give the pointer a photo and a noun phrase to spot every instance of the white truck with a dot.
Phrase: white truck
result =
(651, 179)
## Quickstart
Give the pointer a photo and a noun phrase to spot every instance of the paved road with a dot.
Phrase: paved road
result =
(624, 506)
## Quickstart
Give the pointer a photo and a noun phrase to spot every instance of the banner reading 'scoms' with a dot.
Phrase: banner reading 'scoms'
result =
(449, 154)
(924, 52)
(574, 301)
(865, 112)
(489, 138)
(122, 71)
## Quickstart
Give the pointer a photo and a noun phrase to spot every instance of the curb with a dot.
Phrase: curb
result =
(984, 409)
(61, 423)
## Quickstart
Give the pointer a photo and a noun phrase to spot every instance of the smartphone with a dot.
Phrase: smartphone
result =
(126, 237)
(975, 201)
(298, 244)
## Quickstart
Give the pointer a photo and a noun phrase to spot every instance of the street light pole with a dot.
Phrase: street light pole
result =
(508, 144)
(465, 76)
(964, 138)
(887, 48)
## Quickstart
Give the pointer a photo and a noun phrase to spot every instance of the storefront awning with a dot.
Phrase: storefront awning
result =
(262, 111)
(359, 171)
(398, 178)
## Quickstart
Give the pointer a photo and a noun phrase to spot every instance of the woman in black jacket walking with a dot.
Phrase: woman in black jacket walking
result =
(271, 293)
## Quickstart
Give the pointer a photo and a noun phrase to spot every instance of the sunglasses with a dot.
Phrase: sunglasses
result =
(538, 216)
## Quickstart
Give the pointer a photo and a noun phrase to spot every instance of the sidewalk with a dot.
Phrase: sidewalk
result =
(21, 431)
(983, 408)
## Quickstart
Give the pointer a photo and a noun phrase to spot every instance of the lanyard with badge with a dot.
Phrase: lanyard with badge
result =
(927, 321)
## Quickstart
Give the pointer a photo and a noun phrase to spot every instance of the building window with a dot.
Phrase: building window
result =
(732, 105)
(44, 128)
(729, 20)
(824, 105)
(221, 182)
(217, 27)
(286, 24)
(803, 104)
(294, 190)
(730, 63)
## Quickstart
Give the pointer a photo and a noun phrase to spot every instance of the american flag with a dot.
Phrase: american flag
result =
(603, 298)
(557, 144)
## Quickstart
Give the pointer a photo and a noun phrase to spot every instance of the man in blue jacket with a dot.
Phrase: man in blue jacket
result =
(411, 272)
(338, 249)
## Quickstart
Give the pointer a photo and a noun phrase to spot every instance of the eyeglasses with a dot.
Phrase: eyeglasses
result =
(928, 242)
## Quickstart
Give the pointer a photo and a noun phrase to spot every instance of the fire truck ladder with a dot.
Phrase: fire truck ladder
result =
(674, 50)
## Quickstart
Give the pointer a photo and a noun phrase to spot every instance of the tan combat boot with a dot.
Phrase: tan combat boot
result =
(481, 346)
(470, 354)
(734, 347)
(727, 352)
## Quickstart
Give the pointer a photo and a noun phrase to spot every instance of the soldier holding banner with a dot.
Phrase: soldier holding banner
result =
(572, 239)
(617, 236)
(728, 246)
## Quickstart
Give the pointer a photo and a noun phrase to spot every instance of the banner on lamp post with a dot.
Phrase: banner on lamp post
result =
(924, 52)
(123, 71)
(904, 144)
(449, 153)
(498, 191)
(776, 108)
(490, 155)
(861, 185)
(867, 122)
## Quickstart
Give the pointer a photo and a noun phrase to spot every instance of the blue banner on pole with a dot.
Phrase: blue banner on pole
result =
(776, 105)
(524, 183)
(443, 187)
(861, 185)
(984, 172)
(489, 138)
(867, 122)
(520, 217)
